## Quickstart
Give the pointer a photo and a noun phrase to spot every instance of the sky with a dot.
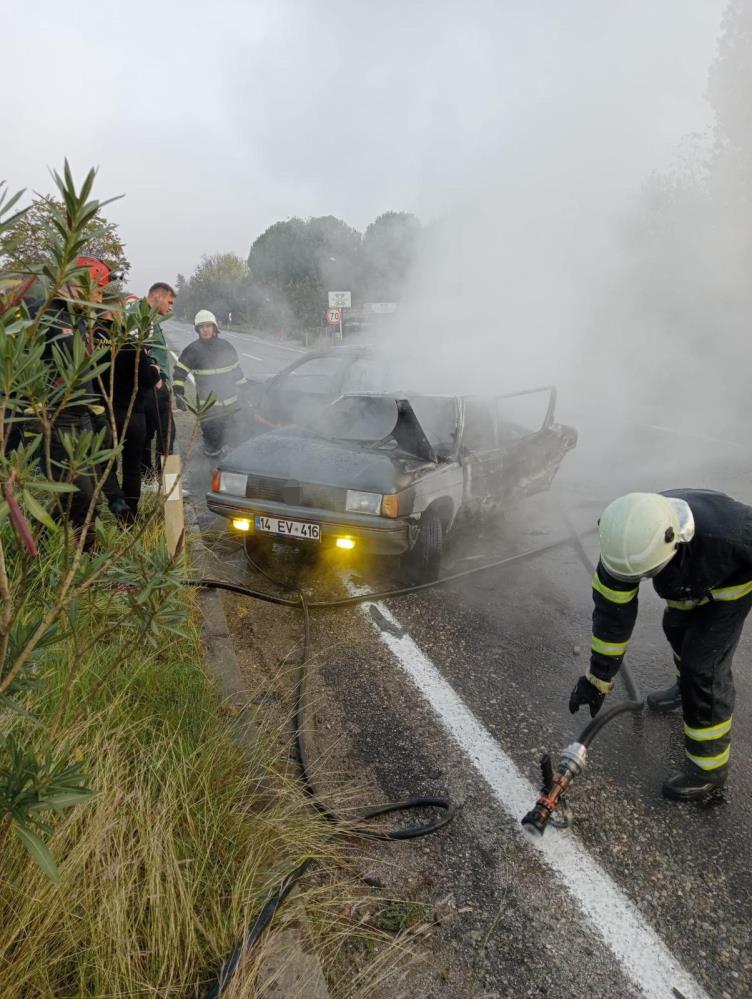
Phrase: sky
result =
(536, 119)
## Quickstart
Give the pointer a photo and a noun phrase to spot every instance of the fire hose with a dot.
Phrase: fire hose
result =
(572, 762)
(573, 759)
(555, 785)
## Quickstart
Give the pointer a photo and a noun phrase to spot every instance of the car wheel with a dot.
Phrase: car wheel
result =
(423, 562)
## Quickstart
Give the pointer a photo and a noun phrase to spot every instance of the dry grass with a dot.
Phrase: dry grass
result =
(163, 871)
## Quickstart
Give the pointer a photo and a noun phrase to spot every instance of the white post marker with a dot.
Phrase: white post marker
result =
(634, 943)
(173, 508)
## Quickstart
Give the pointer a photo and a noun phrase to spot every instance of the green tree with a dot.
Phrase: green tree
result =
(295, 263)
(220, 283)
(30, 240)
(390, 246)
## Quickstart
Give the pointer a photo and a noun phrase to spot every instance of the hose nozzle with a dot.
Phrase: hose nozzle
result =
(572, 762)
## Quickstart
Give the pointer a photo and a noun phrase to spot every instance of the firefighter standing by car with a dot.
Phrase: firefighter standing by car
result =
(215, 366)
(696, 545)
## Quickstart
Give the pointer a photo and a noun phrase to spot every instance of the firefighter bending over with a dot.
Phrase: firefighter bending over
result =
(696, 546)
(216, 369)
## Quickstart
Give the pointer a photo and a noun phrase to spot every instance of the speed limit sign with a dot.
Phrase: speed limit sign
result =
(333, 316)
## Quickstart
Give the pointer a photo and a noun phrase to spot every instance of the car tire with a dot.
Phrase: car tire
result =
(422, 563)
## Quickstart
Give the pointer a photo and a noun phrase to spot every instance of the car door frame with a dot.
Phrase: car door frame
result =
(544, 447)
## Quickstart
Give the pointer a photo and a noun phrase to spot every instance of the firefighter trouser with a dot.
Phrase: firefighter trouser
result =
(218, 430)
(703, 640)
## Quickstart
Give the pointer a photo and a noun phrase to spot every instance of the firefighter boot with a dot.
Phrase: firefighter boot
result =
(665, 700)
(693, 784)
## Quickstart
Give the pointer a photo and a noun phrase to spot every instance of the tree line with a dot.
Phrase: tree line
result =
(283, 283)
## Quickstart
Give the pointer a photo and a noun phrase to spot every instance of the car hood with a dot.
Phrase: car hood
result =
(291, 453)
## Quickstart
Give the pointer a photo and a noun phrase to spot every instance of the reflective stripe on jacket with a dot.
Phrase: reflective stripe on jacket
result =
(215, 367)
(716, 565)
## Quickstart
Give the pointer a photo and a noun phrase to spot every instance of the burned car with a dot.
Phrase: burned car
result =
(390, 474)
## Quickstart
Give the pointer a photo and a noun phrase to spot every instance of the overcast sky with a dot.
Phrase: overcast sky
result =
(216, 119)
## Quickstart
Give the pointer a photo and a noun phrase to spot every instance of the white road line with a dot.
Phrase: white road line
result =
(252, 356)
(266, 343)
(637, 947)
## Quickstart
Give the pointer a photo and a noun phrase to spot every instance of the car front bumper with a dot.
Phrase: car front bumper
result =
(373, 535)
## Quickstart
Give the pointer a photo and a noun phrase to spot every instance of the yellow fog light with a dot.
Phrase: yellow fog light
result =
(347, 543)
(241, 523)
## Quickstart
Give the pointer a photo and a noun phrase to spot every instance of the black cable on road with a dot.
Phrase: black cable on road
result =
(260, 923)
(604, 717)
(222, 584)
(343, 825)
(347, 826)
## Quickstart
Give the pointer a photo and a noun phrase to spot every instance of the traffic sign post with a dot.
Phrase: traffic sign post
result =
(339, 300)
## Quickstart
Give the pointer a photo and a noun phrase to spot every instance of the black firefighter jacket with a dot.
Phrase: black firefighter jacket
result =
(715, 565)
(216, 369)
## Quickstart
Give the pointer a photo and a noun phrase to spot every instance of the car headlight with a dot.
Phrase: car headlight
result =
(232, 482)
(357, 502)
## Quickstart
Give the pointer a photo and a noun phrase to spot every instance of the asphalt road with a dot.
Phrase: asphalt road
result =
(460, 688)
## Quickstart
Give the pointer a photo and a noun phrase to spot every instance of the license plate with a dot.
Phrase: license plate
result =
(288, 528)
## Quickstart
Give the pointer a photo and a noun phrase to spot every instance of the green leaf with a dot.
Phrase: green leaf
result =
(37, 511)
(65, 799)
(50, 486)
(38, 851)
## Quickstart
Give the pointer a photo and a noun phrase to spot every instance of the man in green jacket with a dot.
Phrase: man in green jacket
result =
(160, 427)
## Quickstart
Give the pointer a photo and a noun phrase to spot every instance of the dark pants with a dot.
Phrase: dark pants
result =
(159, 429)
(132, 435)
(218, 431)
(704, 640)
(73, 507)
(111, 488)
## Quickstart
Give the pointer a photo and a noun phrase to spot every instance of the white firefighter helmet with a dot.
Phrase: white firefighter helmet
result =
(204, 316)
(640, 533)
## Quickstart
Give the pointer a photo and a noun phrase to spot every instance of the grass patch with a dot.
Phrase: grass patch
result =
(163, 870)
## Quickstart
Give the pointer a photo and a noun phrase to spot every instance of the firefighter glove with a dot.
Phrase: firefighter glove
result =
(585, 693)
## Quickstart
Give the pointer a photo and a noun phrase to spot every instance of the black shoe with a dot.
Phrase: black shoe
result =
(665, 700)
(122, 512)
(691, 785)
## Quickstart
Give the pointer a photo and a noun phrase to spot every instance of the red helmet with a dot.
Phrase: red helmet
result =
(100, 273)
